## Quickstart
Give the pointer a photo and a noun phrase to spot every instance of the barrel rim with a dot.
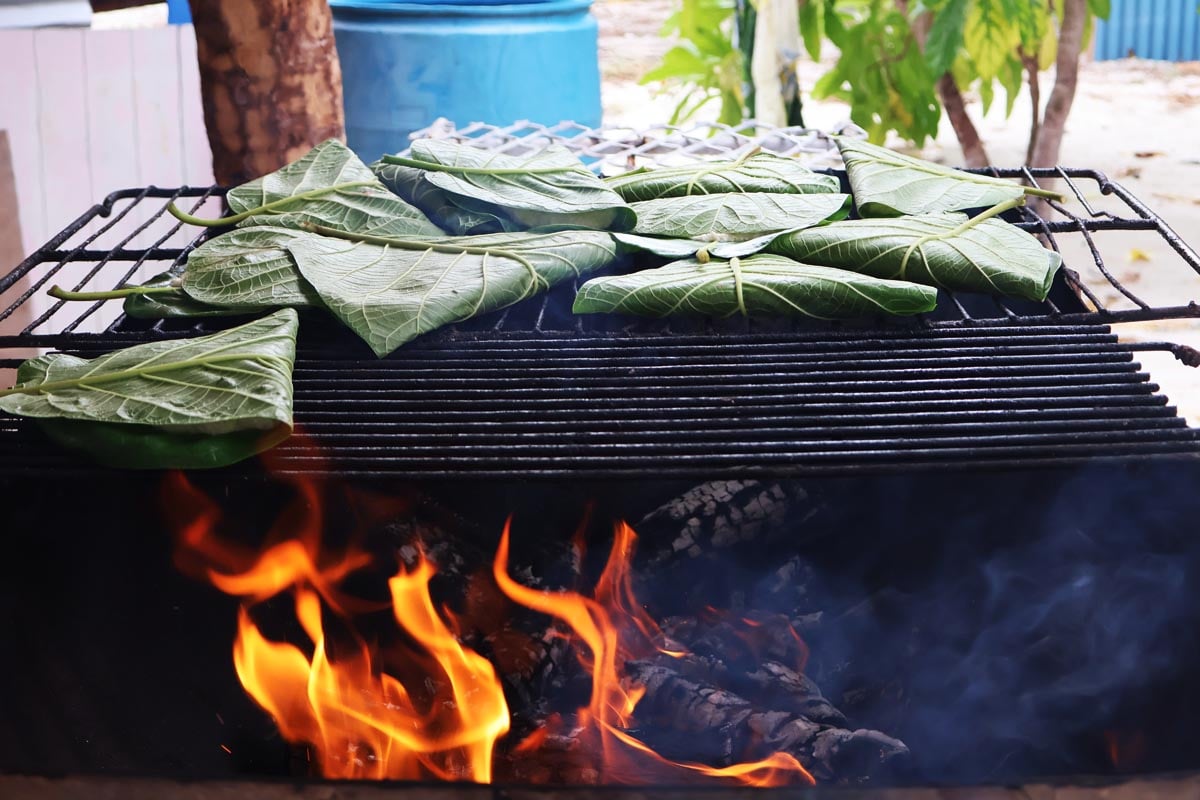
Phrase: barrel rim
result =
(365, 10)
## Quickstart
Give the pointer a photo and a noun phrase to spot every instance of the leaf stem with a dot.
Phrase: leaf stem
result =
(312, 194)
(114, 294)
(1034, 191)
(995, 210)
(434, 166)
(735, 266)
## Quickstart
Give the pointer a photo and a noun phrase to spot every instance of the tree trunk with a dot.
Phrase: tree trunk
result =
(271, 82)
(1066, 77)
(969, 139)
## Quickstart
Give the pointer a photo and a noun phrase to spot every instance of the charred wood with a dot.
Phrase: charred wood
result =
(719, 514)
(674, 701)
(771, 685)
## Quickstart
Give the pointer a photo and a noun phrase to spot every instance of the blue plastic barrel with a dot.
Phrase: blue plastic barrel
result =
(1165, 30)
(406, 64)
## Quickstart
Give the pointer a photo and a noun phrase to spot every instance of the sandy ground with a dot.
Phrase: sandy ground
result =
(1137, 121)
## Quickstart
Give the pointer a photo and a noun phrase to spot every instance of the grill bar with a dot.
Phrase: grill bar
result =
(781, 405)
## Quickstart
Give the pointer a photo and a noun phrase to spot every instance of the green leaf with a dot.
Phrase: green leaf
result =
(888, 184)
(363, 205)
(178, 303)
(945, 36)
(735, 217)
(202, 402)
(687, 248)
(550, 187)
(990, 36)
(680, 62)
(248, 268)
(761, 284)
(812, 27)
(762, 172)
(391, 291)
(1103, 8)
(991, 256)
(663, 247)
(439, 206)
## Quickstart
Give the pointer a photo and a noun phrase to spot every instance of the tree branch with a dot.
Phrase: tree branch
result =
(974, 152)
(1035, 100)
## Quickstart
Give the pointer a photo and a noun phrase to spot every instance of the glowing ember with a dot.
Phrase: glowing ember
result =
(428, 707)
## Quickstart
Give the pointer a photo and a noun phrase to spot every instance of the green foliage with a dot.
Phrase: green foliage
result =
(705, 61)
(881, 71)
(887, 78)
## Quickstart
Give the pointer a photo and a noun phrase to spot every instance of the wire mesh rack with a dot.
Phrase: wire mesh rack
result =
(534, 390)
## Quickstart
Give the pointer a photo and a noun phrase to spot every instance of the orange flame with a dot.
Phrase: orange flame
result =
(363, 722)
(615, 628)
(431, 708)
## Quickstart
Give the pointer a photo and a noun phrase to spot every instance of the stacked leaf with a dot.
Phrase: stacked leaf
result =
(202, 402)
(468, 190)
(889, 184)
(389, 291)
(944, 250)
(757, 172)
(248, 269)
(735, 217)
(760, 284)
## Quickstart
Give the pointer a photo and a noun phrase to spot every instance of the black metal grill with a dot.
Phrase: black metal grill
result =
(535, 391)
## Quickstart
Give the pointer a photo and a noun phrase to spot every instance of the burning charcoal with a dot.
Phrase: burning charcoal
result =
(719, 514)
(770, 685)
(675, 701)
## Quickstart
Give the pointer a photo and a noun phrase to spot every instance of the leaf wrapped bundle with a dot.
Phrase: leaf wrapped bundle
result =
(888, 184)
(547, 188)
(760, 284)
(328, 186)
(762, 172)
(944, 250)
(735, 217)
(389, 291)
(452, 214)
(194, 403)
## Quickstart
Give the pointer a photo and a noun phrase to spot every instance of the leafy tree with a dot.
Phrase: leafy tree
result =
(901, 62)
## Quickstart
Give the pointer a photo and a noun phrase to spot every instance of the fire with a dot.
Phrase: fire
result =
(426, 706)
(364, 723)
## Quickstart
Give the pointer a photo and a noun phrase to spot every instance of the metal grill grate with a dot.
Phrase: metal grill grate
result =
(536, 391)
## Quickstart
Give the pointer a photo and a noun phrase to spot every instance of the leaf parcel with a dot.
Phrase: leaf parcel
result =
(166, 298)
(327, 186)
(449, 213)
(550, 187)
(946, 250)
(248, 268)
(391, 291)
(192, 403)
(735, 217)
(762, 172)
(760, 284)
(888, 184)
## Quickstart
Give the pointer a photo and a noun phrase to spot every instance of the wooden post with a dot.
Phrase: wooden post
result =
(271, 82)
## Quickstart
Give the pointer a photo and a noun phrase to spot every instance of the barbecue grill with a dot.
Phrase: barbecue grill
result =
(535, 391)
(698, 431)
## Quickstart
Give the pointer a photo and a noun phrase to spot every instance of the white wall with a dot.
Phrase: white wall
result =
(90, 111)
